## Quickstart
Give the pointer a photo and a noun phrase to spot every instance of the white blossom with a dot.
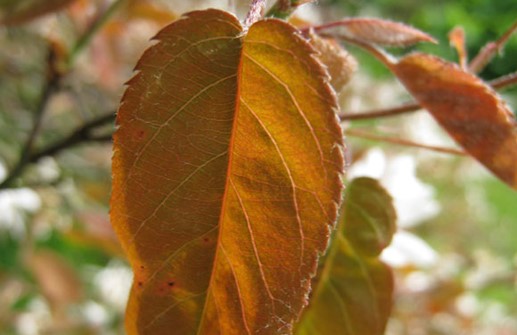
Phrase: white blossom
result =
(113, 284)
(14, 204)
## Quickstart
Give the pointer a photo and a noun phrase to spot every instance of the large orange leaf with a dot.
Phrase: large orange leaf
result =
(468, 109)
(226, 177)
(354, 292)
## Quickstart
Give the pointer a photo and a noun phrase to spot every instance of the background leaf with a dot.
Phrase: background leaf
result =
(468, 109)
(376, 31)
(354, 293)
(226, 177)
(340, 64)
(19, 11)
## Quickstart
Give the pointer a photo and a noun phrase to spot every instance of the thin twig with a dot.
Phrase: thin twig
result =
(504, 81)
(380, 54)
(378, 113)
(409, 107)
(490, 49)
(398, 141)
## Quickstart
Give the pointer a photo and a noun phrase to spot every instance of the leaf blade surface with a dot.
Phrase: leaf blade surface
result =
(375, 31)
(225, 162)
(468, 109)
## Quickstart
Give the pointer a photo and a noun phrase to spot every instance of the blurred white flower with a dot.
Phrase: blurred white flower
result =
(113, 284)
(408, 249)
(468, 304)
(14, 203)
(413, 200)
(48, 169)
(95, 313)
(35, 319)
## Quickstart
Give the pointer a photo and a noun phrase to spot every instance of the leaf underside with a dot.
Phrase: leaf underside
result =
(353, 295)
(375, 31)
(226, 177)
(468, 109)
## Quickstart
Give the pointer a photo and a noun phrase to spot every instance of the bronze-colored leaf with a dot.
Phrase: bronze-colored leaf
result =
(468, 109)
(457, 40)
(354, 292)
(226, 177)
(149, 10)
(19, 11)
(340, 64)
(375, 31)
(57, 279)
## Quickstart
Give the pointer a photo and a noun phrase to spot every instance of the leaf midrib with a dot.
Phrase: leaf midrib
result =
(227, 186)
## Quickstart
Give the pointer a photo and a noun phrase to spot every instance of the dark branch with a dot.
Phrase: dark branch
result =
(84, 133)
(50, 86)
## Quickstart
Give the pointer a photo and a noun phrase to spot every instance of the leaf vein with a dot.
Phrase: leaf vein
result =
(241, 304)
(295, 103)
(167, 197)
(167, 122)
(291, 179)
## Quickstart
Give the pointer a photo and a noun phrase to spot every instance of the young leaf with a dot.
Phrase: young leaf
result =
(468, 109)
(457, 40)
(340, 64)
(354, 293)
(374, 31)
(226, 177)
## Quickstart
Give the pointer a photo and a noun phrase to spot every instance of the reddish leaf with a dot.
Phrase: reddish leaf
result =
(457, 40)
(19, 11)
(375, 31)
(149, 10)
(467, 108)
(57, 279)
(354, 293)
(226, 177)
(340, 64)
